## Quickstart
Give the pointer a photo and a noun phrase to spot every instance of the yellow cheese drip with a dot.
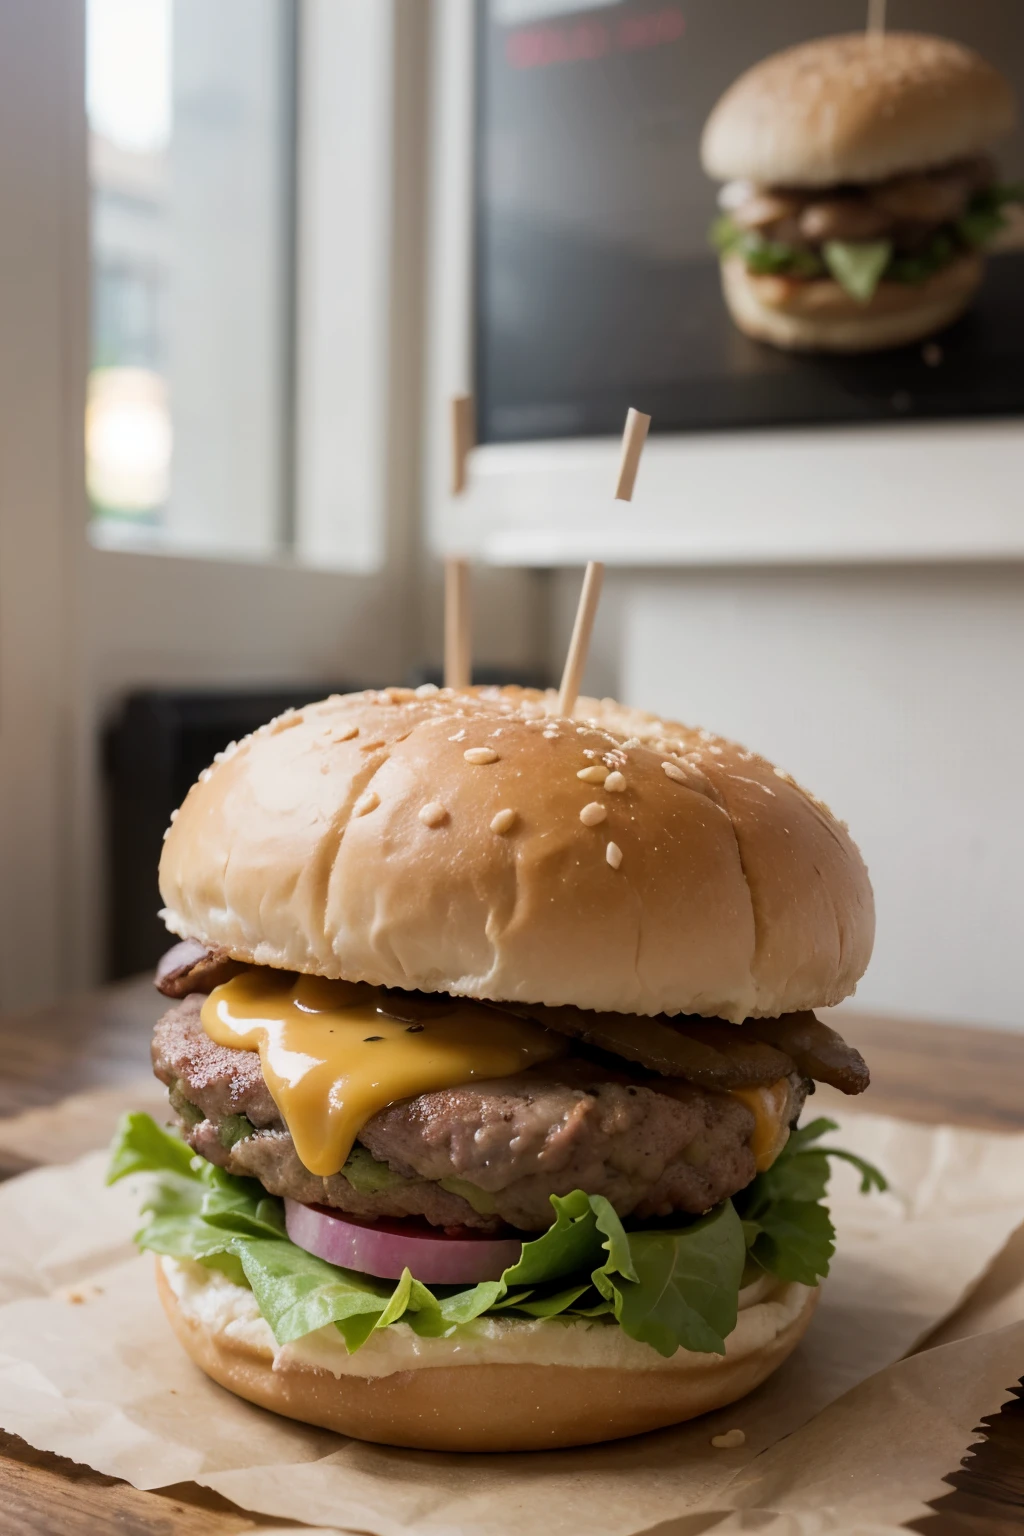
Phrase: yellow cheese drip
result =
(770, 1129)
(333, 1053)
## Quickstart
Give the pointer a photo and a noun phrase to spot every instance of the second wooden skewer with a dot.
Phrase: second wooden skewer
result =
(458, 663)
(633, 438)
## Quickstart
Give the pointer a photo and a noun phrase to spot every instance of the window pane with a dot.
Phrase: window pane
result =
(190, 110)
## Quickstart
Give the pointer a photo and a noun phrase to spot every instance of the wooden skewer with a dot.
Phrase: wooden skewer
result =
(579, 645)
(457, 663)
(463, 439)
(457, 647)
(633, 439)
(876, 18)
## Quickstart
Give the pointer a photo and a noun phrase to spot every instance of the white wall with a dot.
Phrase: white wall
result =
(42, 399)
(898, 696)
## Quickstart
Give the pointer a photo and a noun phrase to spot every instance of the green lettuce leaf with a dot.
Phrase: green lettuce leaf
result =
(941, 249)
(684, 1288)
(763, 255)
(142, 1146)
(985, 215)
(669, 1287)
(789, 1232)
(857, 265)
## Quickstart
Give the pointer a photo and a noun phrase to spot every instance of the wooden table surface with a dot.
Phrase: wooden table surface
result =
(920, 1071)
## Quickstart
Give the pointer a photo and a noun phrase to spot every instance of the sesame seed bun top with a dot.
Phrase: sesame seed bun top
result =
(475, 843)
(856, 108)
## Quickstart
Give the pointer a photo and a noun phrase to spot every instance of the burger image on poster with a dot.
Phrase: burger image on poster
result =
(859, 193)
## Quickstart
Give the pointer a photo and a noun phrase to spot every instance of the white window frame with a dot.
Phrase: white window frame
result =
(346, 98)
(335, 435)
(942, 491)
(80, 625)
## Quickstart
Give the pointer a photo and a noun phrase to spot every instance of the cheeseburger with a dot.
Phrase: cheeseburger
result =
(859, 193)
(489, 1035)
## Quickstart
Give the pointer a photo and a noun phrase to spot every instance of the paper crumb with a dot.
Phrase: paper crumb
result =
(80, 1295)
(732, 1439)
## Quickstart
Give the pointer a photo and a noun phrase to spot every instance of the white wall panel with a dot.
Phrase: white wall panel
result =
(896, 695)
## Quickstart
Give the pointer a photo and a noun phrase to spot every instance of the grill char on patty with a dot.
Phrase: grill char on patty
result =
(573, 1124)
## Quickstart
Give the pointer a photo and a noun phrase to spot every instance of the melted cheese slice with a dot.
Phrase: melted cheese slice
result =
(771, 1132)
(334, 1053)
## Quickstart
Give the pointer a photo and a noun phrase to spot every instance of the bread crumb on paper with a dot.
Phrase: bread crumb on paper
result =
(730, 1441)
(80, 1294)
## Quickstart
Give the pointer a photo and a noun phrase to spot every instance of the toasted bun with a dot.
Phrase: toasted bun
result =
(354, 839)
(492, 1407)
(819, 316)
(856, 108)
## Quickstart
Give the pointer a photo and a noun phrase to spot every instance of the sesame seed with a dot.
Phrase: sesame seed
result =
(174, 816)
(613, 853)
(550, 735)
(459, 735)
(433, 813)
(372, 746)
(284, 722)
(367, 802)
(427, 690)
(504, 821)
(592, 814)
(780, 773)
(480, 755)
(400, 695)
(615, 782)
(672, 772)
(595, 774)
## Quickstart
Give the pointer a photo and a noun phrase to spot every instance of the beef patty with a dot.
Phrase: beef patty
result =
(480, 1155)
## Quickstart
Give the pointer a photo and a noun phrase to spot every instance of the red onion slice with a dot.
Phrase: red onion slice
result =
(384, 1249)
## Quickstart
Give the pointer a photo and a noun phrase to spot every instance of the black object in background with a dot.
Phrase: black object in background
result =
(486, 677)
(595, 287)
(155, 750)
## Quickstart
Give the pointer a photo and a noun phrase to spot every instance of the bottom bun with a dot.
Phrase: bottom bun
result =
(485, 1406)
(817, 315)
